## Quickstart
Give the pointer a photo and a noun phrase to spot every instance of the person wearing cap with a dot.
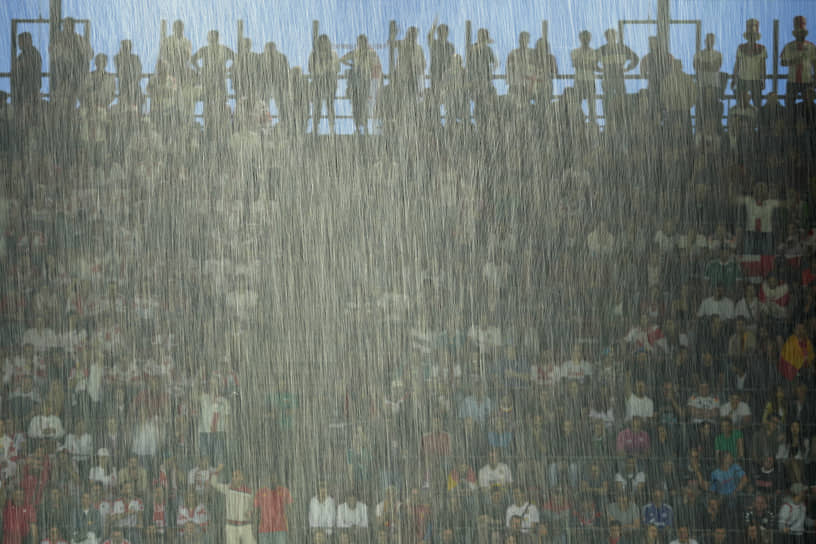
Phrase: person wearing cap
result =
(749, 67)
(792, 515)
(800, 58)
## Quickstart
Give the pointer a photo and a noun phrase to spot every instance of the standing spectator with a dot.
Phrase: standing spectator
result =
(749, 68)
(175, 52)
(707, 64)
(800, 58)
(193, 518)
(442, 56)
(19, 519)
(87, 521)
(100, 89)
(127, 514)
(275, 67)
(520, 70)
(129, 72)
(26, 76)
(365, 70)
(271, 502)
(213, 421)
(409, 72)
(324, 67)
(615, 59)
(70, 54)
(481, 63)
(238, 507)
(585, 62)
(683, 536)
(212, 73)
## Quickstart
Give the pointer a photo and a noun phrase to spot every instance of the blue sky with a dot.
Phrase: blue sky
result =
(288, 22)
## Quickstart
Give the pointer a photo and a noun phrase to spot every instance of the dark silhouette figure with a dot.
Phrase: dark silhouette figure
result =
(129, 72)
(70, 58)
(212, 76)
(441, 54)
(324, 67)
(481, 64)
(365, 68)
(175, 52)
(275, 70)
(26, 73)
(615, 60)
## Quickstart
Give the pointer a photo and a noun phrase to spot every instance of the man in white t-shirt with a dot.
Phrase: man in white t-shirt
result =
(523, 509)
(494, 472)
(703, 406)
(750, 66)
(738, 411)
(638, 404)
(717, 304)
(352, 514)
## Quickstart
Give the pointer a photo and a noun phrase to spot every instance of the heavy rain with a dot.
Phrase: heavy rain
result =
(352, 272)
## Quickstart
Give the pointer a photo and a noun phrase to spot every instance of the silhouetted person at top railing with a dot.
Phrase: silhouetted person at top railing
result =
(655, 66)
(365, 73)
(481, 64)
(275, 74)
(175, 51)
(521, 71)
(707, 64)
(26, 75)
(100, 89)
(441, 56)
(129, 72)
(546, 69)
(246, 76)
(585, 61)
(749, 68)
(212, 76)
(409, 73)
(70, 57)
(800, 58)
(615, 59)
(324, 67)
(163, 90)
(297, 95)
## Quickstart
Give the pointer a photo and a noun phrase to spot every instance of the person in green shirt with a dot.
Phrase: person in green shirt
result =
(724, 271)
(729, 439)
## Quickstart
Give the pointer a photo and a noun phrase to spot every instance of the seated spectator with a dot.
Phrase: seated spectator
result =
(657, 513)
(760, 515)
(630, 480)
(717, 305)
(103, 472)
(322, 510)
(555, 513)
(801, 408)
(646, 335)
(729, 478)
(523, 509)
(127, 513)
(477, 405)
(586, 518)
(737, 411)
(638, 404)
(776, 298)
(765, 442)
(730, 440)
(192, 519)
(79, 444)
(135, 475)
(625, 512)
(46, 427)
(199, 476)
(793, 514)
(750, 308)
(777, 405)
(633, 440)
(743, 342)
(352, 514)
(794, 451)
(797, 353)
(494, 472)
(702, 405)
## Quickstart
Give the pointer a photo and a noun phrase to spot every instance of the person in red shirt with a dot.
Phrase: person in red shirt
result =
(270, 504)
(19, 520)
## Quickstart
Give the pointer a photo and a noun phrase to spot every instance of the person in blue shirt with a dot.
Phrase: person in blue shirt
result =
(729, 479)
(657, 512)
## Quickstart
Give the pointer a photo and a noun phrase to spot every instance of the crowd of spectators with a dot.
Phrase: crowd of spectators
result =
(497, 322)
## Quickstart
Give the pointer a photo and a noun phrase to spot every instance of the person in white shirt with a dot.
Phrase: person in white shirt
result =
(738, 411)
(103, 472)
(523, 509)
(199, 475)
(750, 308)
(494, 472)
(683, 536)
(352, 514)
(638, 404)
(47, 425)
(240, 506)
(322, 510)
(792, 514)
(717, 304)
(79, 444)
(214, 411)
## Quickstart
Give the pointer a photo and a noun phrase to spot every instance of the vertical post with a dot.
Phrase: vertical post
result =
(315, 31)
(545, 28)
(240, 48)
(54, 19)
(392, 45)
(698, 36)
(663, 23)
(468, 40)
(163, 30)
(775, 82)
(13, 41)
